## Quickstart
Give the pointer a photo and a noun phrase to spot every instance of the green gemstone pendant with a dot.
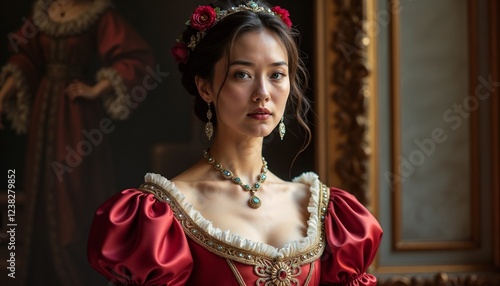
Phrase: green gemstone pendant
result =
(254, 202)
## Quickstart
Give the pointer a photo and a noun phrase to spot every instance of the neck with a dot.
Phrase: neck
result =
(243, 159)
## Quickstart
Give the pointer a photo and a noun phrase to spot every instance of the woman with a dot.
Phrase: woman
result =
(69, 59)
(228, 220)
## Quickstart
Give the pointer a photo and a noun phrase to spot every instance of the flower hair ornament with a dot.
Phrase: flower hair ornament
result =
(205, 17)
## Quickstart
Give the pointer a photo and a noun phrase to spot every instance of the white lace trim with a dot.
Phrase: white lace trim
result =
(115, 102)
(292, 248)
(17, 108)
(72, 27)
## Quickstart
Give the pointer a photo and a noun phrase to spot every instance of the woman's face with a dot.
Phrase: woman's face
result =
(253, 98)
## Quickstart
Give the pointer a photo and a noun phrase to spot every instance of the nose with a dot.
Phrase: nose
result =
(261, 91)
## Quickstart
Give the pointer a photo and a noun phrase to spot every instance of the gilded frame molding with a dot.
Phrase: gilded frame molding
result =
(335, 22)
(342, 96)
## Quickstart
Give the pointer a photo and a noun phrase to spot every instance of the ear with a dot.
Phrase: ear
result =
(204, 88)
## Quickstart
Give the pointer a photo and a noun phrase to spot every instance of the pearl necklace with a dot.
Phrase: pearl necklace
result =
(254, 201)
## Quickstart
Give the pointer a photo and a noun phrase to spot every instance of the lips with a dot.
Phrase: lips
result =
(260, 114)
(260, 111)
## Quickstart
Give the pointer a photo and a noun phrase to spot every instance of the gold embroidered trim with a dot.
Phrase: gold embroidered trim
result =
(279, 273)
(311, 270)
(236, 273)
(263, 264)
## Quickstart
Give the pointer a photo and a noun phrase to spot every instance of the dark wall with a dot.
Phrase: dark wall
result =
(166, 115)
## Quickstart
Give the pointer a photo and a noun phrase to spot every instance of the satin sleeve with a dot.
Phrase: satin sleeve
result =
(353, 236)
(135, 240)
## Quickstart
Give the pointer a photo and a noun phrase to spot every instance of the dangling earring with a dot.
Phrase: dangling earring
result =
(282, 128)
(209, 127)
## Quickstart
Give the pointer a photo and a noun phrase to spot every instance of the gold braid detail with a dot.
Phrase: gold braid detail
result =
(269, 270)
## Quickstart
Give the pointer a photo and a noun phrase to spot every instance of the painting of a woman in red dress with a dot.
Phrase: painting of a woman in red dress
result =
(72, 67)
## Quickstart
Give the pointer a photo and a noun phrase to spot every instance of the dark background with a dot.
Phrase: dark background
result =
(165, 117)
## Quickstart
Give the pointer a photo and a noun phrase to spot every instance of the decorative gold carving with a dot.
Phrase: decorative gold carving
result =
(442, 279)
(325, 22)
(350, 72)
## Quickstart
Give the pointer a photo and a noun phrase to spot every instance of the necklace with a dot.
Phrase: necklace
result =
(254, 201)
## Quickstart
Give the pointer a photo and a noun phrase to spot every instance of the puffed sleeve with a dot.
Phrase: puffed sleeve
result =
(353, 236)
(135, 240)
(24, 66)
(129, 65)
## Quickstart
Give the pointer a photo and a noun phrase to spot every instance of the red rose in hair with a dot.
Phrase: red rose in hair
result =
(180, 52)
(284, 14)
(203, 18)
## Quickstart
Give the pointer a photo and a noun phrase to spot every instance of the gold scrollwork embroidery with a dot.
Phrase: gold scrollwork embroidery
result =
(277, 273)
(270, 272)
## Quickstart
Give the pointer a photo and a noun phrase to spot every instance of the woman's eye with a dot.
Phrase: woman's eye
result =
(241, 75)
(277, 75)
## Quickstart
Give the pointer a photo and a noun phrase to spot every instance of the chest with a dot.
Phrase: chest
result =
(272, 228)
(281, 218)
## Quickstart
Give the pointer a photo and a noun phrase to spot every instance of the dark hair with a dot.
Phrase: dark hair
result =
(218, 42)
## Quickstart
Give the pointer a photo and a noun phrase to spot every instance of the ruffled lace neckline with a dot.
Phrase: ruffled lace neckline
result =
(71, 27)
(293, 248)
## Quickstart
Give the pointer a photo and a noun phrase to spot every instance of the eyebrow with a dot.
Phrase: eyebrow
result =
(245, 63)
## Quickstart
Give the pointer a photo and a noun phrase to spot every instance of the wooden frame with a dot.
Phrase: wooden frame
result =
(397, 242)
(335, 22)
(494, 9)
(342, 95)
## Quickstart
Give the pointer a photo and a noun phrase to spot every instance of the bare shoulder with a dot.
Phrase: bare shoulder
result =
(192, 182)
(299, 191)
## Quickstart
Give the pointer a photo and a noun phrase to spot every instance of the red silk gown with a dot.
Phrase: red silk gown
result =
(152, 236)
(68, 169)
